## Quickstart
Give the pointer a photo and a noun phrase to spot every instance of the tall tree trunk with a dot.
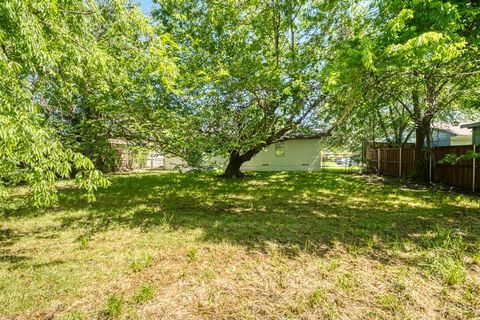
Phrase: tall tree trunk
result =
(233, 168)
(422, 148)
(423, 152)
(236, 160)
(419, 151)
(420, 135)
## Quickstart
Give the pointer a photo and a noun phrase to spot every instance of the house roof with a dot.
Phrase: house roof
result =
(470, 125)
(454, 129)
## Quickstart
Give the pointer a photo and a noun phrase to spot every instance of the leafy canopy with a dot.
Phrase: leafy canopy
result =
(250, 71)
(59, 58)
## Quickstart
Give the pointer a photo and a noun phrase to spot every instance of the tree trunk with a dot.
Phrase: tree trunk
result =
(423, 136)
(233, 168)
(419, 152)
(420, 135)
(236, 160)
(423, 121)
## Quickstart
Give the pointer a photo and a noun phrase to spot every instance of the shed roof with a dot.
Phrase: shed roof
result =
(470, 125)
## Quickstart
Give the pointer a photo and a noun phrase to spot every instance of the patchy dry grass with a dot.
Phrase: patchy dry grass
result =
(272, 246)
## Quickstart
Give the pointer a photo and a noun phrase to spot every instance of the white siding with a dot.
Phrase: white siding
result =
(299, 155)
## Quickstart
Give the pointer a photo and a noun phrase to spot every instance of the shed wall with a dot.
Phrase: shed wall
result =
(299, 155)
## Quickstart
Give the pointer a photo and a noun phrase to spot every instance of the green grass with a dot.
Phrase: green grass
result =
(273, 245)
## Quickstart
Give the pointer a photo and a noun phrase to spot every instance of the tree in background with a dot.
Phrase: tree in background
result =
(424, 61)
(114, 98)
(418, 57)
(383, 123)
(71, 70)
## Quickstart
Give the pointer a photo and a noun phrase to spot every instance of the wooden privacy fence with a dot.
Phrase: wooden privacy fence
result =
(400, 162)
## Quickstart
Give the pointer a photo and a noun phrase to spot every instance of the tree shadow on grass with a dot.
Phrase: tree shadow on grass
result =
(294, 210)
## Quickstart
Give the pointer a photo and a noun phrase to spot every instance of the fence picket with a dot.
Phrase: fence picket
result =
(474, 171)
(400, 162)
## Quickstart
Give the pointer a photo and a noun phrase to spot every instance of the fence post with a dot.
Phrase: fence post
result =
(474, 173)
(400, 163)
(321, 160)
(430, 167)
(378, 161)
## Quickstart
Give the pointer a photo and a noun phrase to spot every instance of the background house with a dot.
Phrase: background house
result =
(298, 153)
(475, 134)
(442, 136)
(447, 135)
(451, 135)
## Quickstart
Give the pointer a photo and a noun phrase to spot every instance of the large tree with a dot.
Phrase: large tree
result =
(251, 71)
(117, 94)
(61, 60)
(424, 57)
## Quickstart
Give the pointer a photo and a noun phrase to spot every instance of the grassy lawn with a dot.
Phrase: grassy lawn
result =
(272, 246)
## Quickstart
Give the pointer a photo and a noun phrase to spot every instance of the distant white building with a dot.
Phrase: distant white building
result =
(291, 155)
(156, 160)
(302, 154)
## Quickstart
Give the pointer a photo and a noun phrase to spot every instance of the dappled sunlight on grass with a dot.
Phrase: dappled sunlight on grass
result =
(253, 204)
(273, 221)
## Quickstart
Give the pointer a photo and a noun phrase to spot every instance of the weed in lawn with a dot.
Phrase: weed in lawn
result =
(112, 308)
(76, 315)
(409, 246)
(395, 246)
(390, 302)
(476, 253)
(369, 242)
(476, 258)
(355, 249)
(84, 241)
(332, 312)
(471, 293)
(346, 281)
(210, 275)
(445, 239)
(307, 301)
(316, 297)
(145, 293)
(334, 263)
(165, 222)
(140, 264)
(450, 269)
(192, 254)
